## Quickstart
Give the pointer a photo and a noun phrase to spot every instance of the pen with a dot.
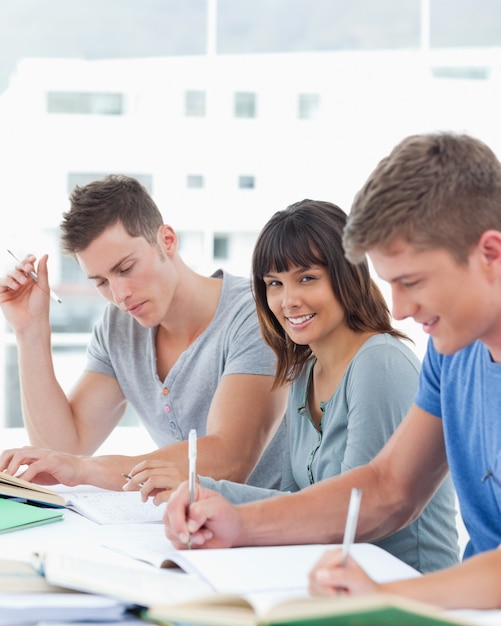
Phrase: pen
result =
(129, 477)
(351, 522)
(33, 275)
(192, 459)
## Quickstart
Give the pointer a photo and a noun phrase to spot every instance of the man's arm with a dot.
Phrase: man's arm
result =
(243, 417)
(396, 486)
(50, 418)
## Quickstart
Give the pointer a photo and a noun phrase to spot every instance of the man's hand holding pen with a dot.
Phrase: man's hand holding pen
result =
(211, 520)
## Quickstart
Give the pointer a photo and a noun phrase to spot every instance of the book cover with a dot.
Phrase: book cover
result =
(16, 487)
(371, 610)
(16, 515)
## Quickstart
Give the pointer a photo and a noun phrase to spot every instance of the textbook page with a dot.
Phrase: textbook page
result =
(280, 568)
(100, 571)
(104, 506)
(257, 568)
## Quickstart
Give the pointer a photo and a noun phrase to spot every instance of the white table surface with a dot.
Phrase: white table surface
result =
(75, 528)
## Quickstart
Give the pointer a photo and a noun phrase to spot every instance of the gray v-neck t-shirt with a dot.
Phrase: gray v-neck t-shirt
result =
(170, 408)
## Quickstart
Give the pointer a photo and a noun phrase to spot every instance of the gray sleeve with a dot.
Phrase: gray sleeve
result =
(377, 400)
(237, 493)
(97, 354)
(245, 348)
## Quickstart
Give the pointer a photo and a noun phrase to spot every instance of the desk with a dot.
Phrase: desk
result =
(22, 544)
(75, 528)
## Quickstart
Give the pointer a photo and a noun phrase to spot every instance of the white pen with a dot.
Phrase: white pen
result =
(351, 523)
(192, 471)
(33, 275)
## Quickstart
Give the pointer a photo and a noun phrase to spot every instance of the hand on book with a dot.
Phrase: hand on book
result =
(332, 576)
(45, 467)
(154, 479)
(212, 521)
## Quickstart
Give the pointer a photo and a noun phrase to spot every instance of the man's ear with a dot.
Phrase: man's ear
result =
(167, 239)
(489, 246)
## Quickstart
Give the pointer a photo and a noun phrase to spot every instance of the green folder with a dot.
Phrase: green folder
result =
(16, 515)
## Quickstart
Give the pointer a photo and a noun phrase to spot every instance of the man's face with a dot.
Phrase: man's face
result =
(454, 303)
(132, 273)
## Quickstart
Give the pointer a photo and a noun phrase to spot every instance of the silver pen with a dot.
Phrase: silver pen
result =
(33, 275)
(192, 472)
(351, 523)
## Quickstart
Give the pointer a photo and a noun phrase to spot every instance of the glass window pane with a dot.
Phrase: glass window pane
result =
(245, 104)
(221, 247)
(246, 182)
(308, 105)
(195, 103)
(83, 178)
(85, 103)
(195, 181)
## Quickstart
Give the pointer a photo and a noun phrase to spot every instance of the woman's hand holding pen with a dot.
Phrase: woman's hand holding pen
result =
(154, 479)
(210, 522)
(332, 573)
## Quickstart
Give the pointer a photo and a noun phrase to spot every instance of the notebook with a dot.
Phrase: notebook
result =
(16, 515)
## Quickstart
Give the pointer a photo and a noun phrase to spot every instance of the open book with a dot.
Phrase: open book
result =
(100, 571)
(271, 572)
(26, 598)
(371, 610)
(99, 505)
(257, 568)
(112, 507)
(253, 586)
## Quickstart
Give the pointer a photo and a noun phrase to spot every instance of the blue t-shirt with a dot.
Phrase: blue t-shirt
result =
(464, 389)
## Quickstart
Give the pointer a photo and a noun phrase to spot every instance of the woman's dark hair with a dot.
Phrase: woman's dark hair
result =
(310, 233)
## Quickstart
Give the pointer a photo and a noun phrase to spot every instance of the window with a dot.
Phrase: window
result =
(85, 103)
(246, 182)
(194, 103)
(83, 178)
(221, 246)
(465, 73)
(308, 106)
(245, 104)
(195, 181)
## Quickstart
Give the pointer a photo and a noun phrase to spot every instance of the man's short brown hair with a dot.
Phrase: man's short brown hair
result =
(440, 190)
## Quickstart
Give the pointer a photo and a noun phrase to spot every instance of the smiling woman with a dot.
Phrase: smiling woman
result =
(352, 378)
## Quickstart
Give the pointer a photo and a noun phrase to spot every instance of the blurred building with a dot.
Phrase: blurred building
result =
(221, 141)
